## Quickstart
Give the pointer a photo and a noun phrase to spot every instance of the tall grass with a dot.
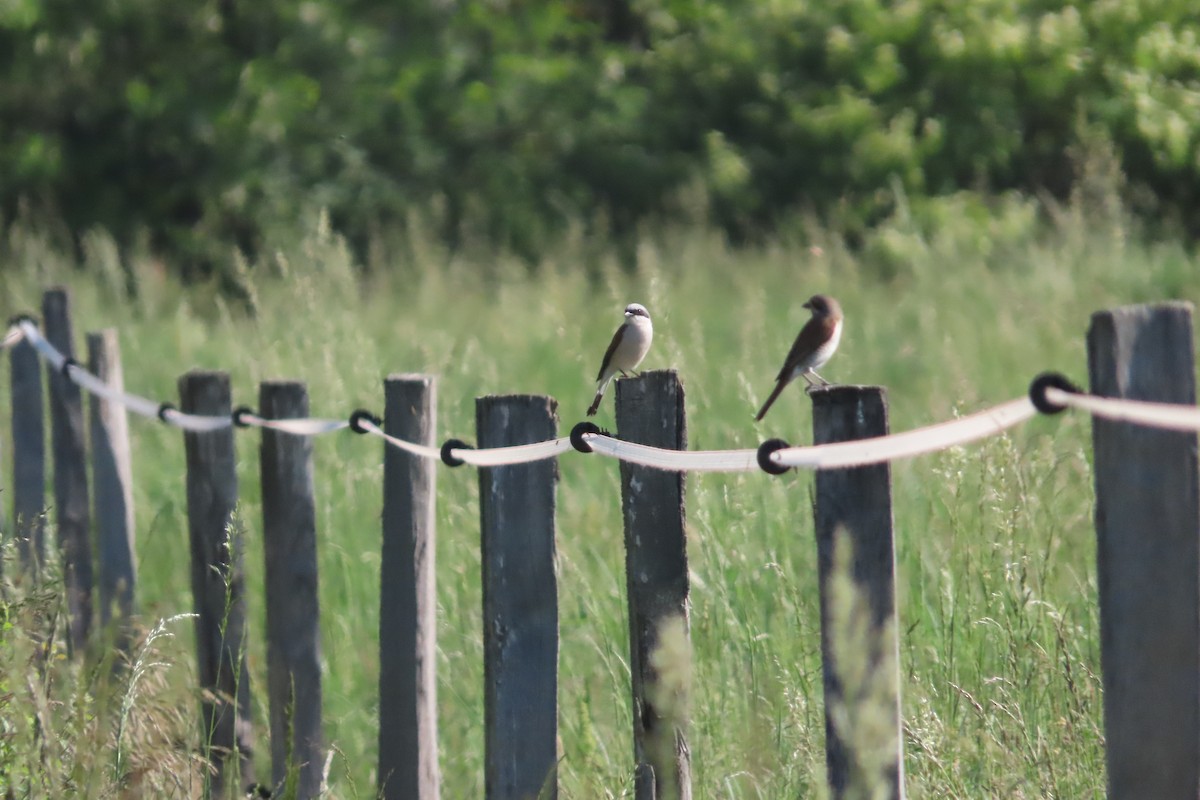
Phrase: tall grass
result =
(997, 608)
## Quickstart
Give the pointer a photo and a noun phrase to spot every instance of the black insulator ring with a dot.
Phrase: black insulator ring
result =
(361, 415)
(239, 416)
(17, 319)
(163, 408)
(764, 456)
(577, 435)
(1037, 391)
(454, 444)
(65, 369)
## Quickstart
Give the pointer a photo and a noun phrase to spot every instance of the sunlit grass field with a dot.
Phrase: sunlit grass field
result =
(996, 579)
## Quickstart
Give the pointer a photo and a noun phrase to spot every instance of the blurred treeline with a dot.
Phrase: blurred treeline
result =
(197, 127)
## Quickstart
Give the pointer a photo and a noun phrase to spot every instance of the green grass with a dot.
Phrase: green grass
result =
(997, 598)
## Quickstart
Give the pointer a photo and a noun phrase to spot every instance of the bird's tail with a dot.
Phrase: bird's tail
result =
(600, 387)
(770, 400)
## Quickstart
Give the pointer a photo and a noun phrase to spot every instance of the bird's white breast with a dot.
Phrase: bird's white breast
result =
(825, 351)
(635, 343)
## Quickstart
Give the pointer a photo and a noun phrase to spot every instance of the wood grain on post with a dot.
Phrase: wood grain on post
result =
(650, 410)
(29, 456)
(1148, 555)
(71, 512)
(112, 476)
(408, 755)
(856, 503)
(520, 602)
(293, 627)
(218, 583)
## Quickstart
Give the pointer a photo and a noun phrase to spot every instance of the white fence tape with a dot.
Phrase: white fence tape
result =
(679, 460)
(828, 456)
(299, 427)
(421, 450)
(138, 405)
(1157, 415)
(517, 454)
(14, 335)
(910, 443)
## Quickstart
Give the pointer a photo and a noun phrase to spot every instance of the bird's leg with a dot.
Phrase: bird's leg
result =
(813, 386)
(624, 374)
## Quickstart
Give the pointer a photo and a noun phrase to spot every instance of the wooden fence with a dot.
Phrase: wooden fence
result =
(1147, 485)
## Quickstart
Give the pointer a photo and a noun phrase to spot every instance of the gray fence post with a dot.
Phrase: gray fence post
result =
(218, 584)
(408, 754)
(1148, 555)
(29, 457)
(112, 476)
(520, 602)
(71, 513)
(293, 628)
(856, 504)
(650, 410)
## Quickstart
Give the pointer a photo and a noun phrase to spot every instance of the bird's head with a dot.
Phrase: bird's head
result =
(636, 310)
(822, 305)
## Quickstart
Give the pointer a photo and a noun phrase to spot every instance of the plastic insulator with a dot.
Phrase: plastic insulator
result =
(764, 456)
(65, 369)
(577, 435)
(239, 416)
(163, 408)
(359, 417)
(454, 444)
(1037, 391)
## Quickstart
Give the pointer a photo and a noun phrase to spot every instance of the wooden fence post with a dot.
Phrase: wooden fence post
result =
(650, 410)
(520, 602)
(1148, 555)
(218, 584)
(408, 754)
(293, 627)
(29, 457)
(112, 475)
(854, 506)
(71, 511)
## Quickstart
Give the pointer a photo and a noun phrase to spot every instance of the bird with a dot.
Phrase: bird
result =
(814, 346)
(626, 350)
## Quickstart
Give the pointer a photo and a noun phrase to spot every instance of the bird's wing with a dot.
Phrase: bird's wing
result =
(612, 348)
(799, 346)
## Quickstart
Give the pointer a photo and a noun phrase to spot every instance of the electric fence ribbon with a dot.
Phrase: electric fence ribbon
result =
(1049, 393)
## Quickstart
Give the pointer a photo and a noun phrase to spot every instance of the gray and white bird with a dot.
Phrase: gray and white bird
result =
(628, 347)
(814, 345)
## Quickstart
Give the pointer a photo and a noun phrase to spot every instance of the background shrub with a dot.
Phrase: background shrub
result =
(504, 121)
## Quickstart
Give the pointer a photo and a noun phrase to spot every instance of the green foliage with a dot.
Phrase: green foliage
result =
(222, 123)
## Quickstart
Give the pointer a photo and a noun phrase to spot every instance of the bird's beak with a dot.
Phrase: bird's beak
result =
(808, 306)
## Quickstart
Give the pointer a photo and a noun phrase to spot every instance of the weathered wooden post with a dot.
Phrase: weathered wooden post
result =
(1148, 555)
(650, 410)
(112, 476)
(408, 754)
(71, 513)
(854, 509)
(218, 584)
(293, 627)
(29, 457)
(520, 602)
